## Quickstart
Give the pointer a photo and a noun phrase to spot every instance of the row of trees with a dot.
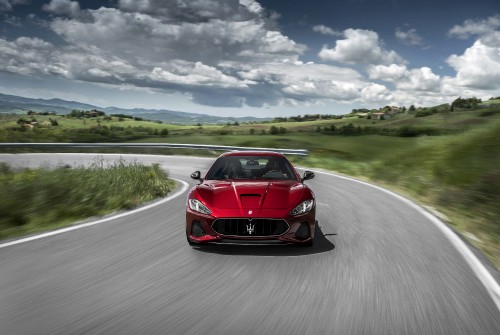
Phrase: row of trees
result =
(307, 117)
(79, 114)
(404, 131)
(30, 112)
(76, 113)
(118, 131)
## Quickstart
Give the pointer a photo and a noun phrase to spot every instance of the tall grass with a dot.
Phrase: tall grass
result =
(38, 199)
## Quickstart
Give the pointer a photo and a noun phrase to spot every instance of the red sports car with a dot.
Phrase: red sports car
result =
(251, 197)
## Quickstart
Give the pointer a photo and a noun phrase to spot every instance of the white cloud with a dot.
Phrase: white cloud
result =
(360, 47)
(306, 82)
(322, 29)
(28, 56)
(62, 7)
(198, 75)
(421, 79)
(193, 11)
(376, 93)
(391, 73)
(152, 39)
(488, 30)
(409, 37)
(478, 67)
(475, 27)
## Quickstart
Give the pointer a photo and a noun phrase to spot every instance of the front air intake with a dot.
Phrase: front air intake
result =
(303, 232)
(250, 227)
(197, 229)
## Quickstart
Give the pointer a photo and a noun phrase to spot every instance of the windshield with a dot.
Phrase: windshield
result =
(251, 167)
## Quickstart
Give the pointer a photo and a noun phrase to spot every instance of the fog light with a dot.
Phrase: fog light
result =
(303, 231)
(197, 229)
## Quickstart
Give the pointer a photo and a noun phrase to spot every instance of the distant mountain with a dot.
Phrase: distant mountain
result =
(17, 104)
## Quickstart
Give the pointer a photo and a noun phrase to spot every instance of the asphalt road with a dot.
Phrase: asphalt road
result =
(378, 266)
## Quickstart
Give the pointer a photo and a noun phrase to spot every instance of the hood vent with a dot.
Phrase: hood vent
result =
(250, 200)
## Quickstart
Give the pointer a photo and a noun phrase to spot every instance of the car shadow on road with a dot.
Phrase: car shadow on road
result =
(321, 244)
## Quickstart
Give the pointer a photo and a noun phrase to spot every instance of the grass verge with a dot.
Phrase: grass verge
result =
(34, 200)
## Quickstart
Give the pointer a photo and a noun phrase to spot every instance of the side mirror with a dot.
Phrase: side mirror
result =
(196, 175)
(307, 175)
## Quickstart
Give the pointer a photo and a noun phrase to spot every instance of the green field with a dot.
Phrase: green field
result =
(447, 160)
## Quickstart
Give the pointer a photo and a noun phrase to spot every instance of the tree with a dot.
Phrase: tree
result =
(164, 132)
(465, 103)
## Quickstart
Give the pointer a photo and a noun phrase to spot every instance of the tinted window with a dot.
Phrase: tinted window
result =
(251, 167)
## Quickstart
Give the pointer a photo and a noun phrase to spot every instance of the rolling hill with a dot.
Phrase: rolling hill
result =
(13, 104)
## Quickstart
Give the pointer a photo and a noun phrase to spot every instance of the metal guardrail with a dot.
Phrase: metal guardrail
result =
(300, 152)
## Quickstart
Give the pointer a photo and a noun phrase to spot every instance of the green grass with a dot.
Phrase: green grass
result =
(491, 102)
(33, 200)
(459, 175)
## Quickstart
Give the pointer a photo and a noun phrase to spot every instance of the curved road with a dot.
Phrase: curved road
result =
(379, 266)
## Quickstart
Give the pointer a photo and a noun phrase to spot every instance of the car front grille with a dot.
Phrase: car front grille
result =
(250, 227)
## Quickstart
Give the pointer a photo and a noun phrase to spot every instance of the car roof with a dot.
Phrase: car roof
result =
(252, 153)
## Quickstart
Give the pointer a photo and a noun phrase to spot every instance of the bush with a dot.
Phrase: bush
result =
(423, 112)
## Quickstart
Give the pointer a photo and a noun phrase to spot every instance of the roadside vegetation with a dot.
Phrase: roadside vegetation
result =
(446, 157)
(33, 200)
(458, 175)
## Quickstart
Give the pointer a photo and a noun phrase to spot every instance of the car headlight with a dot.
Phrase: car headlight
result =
(304, 207)
(197, 206)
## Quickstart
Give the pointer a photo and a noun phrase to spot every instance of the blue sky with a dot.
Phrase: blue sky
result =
(262, 58)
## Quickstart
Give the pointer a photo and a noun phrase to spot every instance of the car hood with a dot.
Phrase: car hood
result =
(250, 194)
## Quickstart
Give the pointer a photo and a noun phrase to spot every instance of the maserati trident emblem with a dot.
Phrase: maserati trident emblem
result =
(250, 212)
(250, 228)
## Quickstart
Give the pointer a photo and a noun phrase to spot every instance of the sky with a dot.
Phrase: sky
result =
(262, 58)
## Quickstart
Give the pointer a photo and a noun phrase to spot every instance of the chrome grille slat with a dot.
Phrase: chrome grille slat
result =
(261, 226)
